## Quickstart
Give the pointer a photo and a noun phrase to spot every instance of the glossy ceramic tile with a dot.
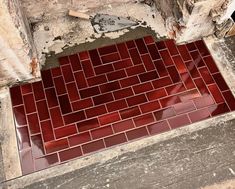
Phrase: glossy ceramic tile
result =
(111, 95)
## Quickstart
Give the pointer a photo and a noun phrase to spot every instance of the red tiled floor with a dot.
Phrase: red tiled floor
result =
(107, 96)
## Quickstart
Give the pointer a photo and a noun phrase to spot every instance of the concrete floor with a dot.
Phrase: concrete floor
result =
(196, 156)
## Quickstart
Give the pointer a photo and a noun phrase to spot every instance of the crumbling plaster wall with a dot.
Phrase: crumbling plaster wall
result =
(16, 47)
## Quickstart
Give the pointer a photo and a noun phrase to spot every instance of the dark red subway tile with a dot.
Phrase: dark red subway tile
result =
(104, 69)
(38, 90)
(56, 117)
(166, 58)
(87, 68)
(56, 72)
(122, 49)
(218, 109)
(97, 80)
(220, 82)
(203, 101)
(202, 48)
(123, 93)
(60, 85)
(101, 132)
(51, 97)
(161, 69)
(107, 49)
(122, 64)
(161, 45)
(130, 112)
(135, 70)
(164, 113)
(65, 131)
(179, 64)
(23, 138)
(109, 118)
(187, 80)
(189, 95)
(29, 103)
(65, 104)
(197, 59)
(74, 117)
(168, 101)
(184, 107)
(135, 100)
(184, 52)
(148, 63)
(211, 64)
(20, 116)
(46, 161)
(123, 126)
(141, 88)
(199, 115)
(192, 69)
(158, 127)
(148, 76)
(129, 81)
(135, 56)
(47, 131)
(201, 86)
(172, 47)
(27, 88)
(150, 106)
(191, 46)
(54, 146)
(141, 46)
(82, 104)
(112, 86)
(42, 110)
(95, 58)
(67, 73)
(79, 139)
(153, 52)
(179, 121)
(156, 94)
(214, 90)
(92, 91)
(87, 125)
(93, 146)
(116, 105)
(27, 163)
(33, 123)
(130, 44)
(70, 154)
(95, 111)
(84, 55)
(144, 120)
(158, 83)
(110, 58)
(148, 39)
(229, 98)
(137, 133)
(103, 98)
(175, 77)
(80, 80)
(47, 78)
(176, 88)
(116, 75)
(72, 91)
(114, 140)
(206, 75)
(37, 146)
(63, 60)
(75, 63)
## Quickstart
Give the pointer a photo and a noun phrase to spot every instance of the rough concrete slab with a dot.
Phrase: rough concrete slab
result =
(191, 161)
